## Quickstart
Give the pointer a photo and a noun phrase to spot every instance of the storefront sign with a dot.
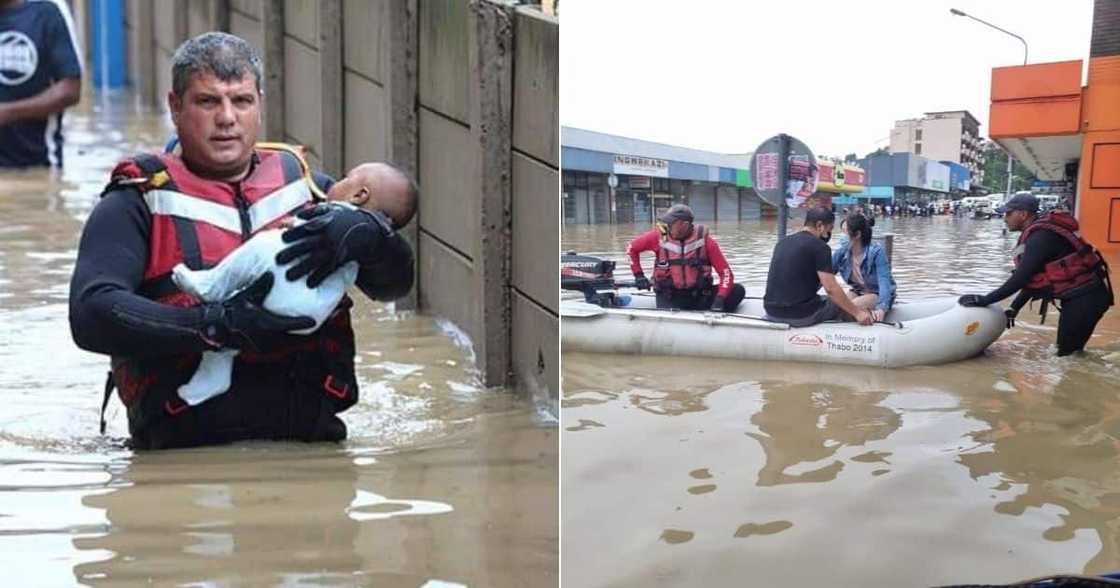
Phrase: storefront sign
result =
(641, 166)
(639, 183)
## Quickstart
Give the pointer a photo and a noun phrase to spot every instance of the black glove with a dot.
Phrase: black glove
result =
(641, 282)
(1011, 313)
(718, 304)
(242, 323)
(332, 236)
(971, 300)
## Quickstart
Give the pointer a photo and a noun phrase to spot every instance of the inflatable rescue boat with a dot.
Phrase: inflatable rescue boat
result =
(925, 332)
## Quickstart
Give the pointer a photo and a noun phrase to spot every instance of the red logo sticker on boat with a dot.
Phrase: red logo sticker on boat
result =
(972, 327)
(806, 340)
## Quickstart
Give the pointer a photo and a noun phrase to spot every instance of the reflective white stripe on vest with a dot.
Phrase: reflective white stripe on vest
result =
(671, 246)
(171, 203)
(265, 211)
(693, 246)
(688, 248)
(279, 203)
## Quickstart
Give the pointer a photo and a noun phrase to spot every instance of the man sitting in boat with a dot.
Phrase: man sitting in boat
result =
(801, 264)
(1052, 262)
(686, 255)
(864, 266)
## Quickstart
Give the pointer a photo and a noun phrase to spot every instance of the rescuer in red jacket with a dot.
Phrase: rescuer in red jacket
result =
(687, 258)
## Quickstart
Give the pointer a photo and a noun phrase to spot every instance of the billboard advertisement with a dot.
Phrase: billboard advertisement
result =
(926, 174)
(840, 177)
(937, 177)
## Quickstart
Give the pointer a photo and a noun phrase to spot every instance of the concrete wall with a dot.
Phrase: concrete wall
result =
(461, 94)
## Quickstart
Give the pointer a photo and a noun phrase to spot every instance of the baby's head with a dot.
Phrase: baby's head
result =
(379, 186)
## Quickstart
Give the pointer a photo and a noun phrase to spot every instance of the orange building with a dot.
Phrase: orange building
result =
(1062, 130)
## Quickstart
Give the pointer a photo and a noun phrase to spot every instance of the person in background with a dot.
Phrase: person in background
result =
(864, 266)
(1052, 262)
(40, 77)
(801, 264)
(687, 256)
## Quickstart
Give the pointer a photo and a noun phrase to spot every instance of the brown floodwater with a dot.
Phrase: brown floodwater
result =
(693, 472)
(443, 483)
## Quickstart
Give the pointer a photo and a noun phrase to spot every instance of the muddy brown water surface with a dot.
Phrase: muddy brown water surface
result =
(685, 471)
(442, 483)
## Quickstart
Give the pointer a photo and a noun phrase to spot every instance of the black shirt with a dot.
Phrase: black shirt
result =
(792, 284)
(37, 49)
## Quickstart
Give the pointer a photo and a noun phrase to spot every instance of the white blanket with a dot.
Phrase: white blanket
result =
(288, 298)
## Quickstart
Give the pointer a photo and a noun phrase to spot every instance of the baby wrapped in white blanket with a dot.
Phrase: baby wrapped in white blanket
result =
(373, 186)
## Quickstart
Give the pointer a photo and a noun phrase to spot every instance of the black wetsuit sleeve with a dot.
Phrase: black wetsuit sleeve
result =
(106, 314)
(390, 276)
(1041, 248)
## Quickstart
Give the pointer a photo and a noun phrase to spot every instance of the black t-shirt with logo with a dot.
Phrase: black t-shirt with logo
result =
(37, 49)
(792, 285)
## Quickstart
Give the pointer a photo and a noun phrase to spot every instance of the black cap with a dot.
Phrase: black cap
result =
(676, 212)
(1025, 202)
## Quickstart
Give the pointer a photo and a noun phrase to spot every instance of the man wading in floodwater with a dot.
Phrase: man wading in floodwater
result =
(1052, 262)
(196, 208)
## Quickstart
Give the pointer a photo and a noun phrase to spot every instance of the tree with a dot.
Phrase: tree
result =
(995, 171)
(851, 158)
(879, 151)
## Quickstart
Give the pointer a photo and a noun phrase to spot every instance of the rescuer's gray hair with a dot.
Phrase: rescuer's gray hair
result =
(227, 56)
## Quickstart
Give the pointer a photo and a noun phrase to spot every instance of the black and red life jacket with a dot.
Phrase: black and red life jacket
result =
(683, 265)
(197, 221)
(1061, 277)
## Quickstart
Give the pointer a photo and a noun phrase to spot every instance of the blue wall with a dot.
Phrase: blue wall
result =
(107, 43)
(572, 158)
(959, 176)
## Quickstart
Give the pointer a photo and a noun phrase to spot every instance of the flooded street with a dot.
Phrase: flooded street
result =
(441, 483)
(685, 471)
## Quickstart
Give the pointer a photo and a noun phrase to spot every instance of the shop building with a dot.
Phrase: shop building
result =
(1068, 133)
(613, 179)
(905, 178)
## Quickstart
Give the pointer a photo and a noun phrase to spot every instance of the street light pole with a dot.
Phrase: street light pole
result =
(1010, 161)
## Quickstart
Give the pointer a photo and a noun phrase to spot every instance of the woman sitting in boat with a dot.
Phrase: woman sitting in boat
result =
(864, 266)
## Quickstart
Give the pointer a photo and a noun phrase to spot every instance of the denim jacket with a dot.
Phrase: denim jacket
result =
(876, 270)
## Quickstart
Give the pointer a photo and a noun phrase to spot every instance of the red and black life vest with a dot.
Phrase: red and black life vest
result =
(683, 265)
(1062, 276)
(198, 222)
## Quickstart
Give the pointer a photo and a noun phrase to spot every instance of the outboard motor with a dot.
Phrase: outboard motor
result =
(591, 275)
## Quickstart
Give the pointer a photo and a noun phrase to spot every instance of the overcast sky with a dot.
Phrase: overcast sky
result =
(725, 75)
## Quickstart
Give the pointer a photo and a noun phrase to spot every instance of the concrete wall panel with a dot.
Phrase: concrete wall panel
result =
(442, 275)
(444, 60)
(248, 29)
(200, 17)
(166, 33)
(301, 20)
(302, 96)
(536, 86)
(536, 219)
(366, 122)
(449, 203)
(365, 26)
(250, 8)
(536, 351)
(162, 77)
